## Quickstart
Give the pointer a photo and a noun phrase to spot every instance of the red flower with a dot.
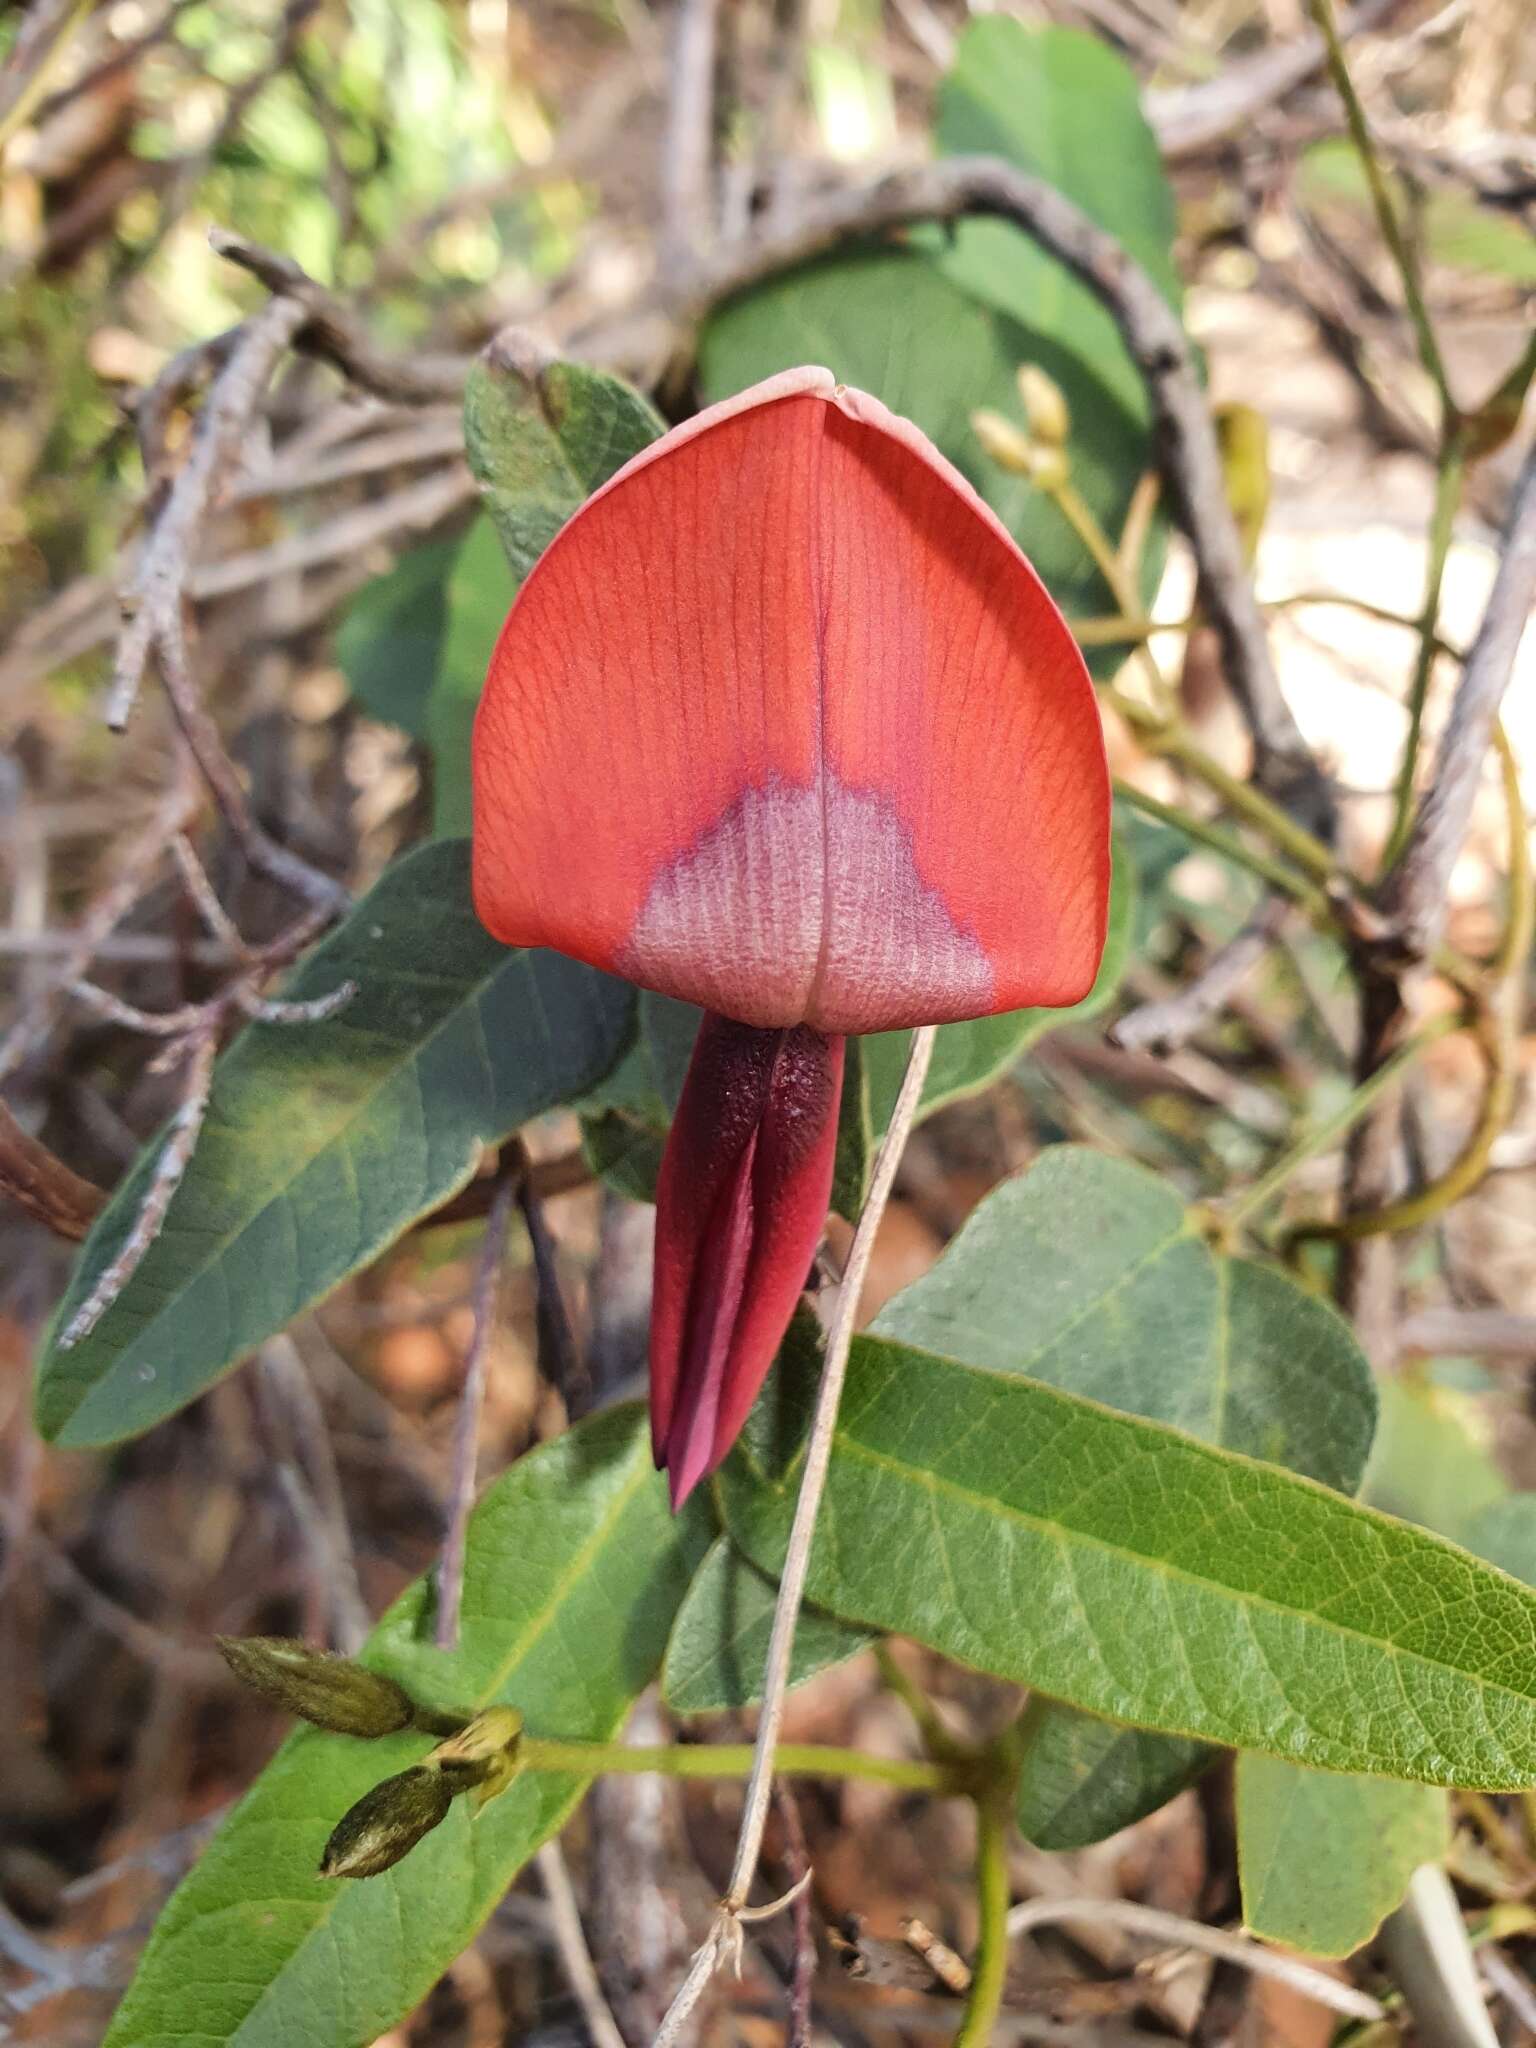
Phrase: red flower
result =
(784, 724)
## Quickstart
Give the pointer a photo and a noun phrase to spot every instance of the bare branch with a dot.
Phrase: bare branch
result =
(688, 221)
(326, 327)
(158, 590)
(38, 1181)
(1188, 451)
(1162, 1027)
(466, 1434)
(1417, 891)
(1240, 1949)
(164, 1181)
(571, 1941)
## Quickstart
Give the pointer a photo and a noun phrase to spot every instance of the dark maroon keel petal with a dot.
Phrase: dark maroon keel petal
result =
(740, 1205)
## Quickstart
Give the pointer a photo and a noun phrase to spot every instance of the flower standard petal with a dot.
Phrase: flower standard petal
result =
(784, 724)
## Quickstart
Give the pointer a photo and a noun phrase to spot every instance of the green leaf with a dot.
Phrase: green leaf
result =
(476, 602)
(623, 1152)
(539, 444)
(1060, 103)
(1426, 1465)
(573, 1574)
(1127, 1568)
(889, 321)
(541, 437)
(1125, 1303)
(969, 1057)
(391, 634)
(324, 1142)
(1087, 1273)
(1082, 1778)
(714, 1660)
(1323, 1859)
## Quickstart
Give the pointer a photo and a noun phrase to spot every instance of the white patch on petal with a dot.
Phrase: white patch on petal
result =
(779, 914)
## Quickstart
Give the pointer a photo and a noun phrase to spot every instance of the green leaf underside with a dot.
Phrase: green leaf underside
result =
(540, 446)
(573, 1574)
(1125, 1304)
(538, 452)
(1135, 1572)
(1083, 1779)
(324, 1141)
(714, 1662)
(1323, 1859)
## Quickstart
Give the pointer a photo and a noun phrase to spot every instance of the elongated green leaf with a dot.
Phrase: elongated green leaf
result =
(1323, 1859)
(324, 1141)
(1096, 1259)
(1133, 1571)
(969, 1057)
(890, 322)
(574, 1571)
(715, 1658)
(1060, 103)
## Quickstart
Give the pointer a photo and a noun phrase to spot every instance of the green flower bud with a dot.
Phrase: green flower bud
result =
(1045, 406)
(318, 1686)
(387, 1823)
(483, 1754)
(1003, 441)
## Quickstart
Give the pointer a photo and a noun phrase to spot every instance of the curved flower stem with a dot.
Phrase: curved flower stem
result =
(725, 1936)
(985, 1999)
(734, 1760)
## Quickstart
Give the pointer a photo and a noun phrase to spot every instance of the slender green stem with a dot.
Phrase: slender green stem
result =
(1079, 515)
(1247, 1204)
(1386, 207)
(1229, 846)
(1450, 479)
(985, 1999)
(937, 1739)
(1172, 739)
(734, 1760)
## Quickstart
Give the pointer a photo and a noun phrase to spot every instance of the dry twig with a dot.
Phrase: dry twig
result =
(1187, 446)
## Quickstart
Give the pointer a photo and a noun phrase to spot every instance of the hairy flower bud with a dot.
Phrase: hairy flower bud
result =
(1045, 406)
(319, 1686)
(387, 1823)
